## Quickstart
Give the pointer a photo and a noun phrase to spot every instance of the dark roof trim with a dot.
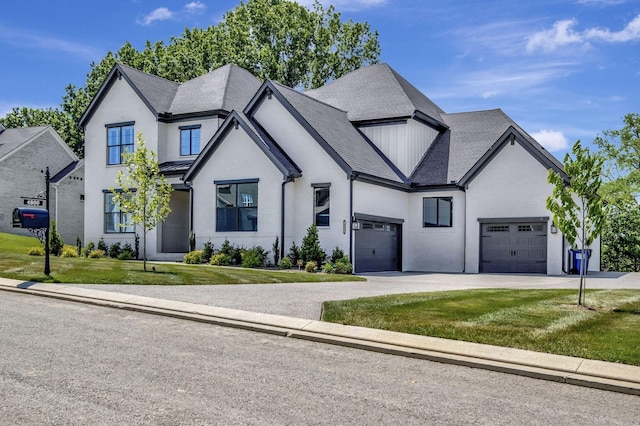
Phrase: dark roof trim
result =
(233, 121)
(372, 218)
(375, 180)
(167, 117)
(381, 122)
(235, 181)
(429, 121)
(437, 188)
(269, 90)
(321, 185)
(513, 219)
(511, 134)
(62, 173)
(116, 73)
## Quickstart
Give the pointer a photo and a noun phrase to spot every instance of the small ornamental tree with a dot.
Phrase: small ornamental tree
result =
(144, 192)
(310, 250)
(576, 205)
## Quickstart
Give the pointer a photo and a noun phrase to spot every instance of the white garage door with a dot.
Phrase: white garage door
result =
(514, 247)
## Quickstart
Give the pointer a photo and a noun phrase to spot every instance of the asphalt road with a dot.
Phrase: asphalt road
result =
(69, 363)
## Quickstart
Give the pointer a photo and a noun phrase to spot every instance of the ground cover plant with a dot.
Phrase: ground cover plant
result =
(16, 263)
(540, 320)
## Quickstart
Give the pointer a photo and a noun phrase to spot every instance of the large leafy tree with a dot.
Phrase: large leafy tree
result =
(273, 39)
(621, 240)
(577, 207)
(143, 192)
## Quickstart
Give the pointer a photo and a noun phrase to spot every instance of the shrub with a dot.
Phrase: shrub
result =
(192, 241)
(97, 254)
(276, 251)
(207, 252)
(328, 268)
(193, 257)
(343, 268)
(89, 248)
(78, 246)
(69, 251)
(220, 259)
(255, 257)
(102, 245)
(294, 253)
(311, 266)
(310, 250)
(336, 255)
(125, 255)
(35, 251)
(115, 250)
(56, 243)
(234, 253)
(285, 263)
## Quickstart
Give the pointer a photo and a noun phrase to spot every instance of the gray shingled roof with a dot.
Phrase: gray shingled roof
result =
(376, 92)
(471, 135)
(11, 139)
(158, 92)
(229, 87)
(336, 130)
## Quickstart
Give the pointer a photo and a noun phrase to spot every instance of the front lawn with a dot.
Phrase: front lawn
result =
(17, 264)
(540, 320)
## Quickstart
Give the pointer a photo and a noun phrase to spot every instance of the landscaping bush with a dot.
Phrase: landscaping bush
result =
(102, 245)
(69, 251)
(311, 266)
(255, 257)
(310, 250)
(97, 254)
(343, 268)
(220, 259)
(207, 252)
(276, 251)
(294, 253)
(234, 253)
(114, 250)
(193, 257)
(125, 255)
(285, 263)
(78, 246)
(336, 255)
(89, 248)
(56, 243)
(328, 268)
(35, 251)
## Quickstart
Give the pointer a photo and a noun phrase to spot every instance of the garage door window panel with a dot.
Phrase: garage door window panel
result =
(437, 212)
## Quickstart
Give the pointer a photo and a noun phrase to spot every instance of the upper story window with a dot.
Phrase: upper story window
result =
(190, 140)
(237, 205)
(115, 220)
(321, 198)
(120, 139)
(437, 211)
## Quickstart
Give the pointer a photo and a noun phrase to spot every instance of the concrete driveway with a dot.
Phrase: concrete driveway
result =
(304, 300)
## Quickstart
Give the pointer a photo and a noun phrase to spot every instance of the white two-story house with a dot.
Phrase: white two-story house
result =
(384, 173)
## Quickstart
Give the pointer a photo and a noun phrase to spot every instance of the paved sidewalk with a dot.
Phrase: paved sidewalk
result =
(577, 371)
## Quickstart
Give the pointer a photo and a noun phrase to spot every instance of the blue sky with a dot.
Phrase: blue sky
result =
(564, 70)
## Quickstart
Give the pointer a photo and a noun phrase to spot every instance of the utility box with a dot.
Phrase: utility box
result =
(30, 218)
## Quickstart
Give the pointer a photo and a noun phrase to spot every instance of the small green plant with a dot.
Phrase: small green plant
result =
(89, 248)
(192, 241)
(79, 246)
(294, 253)
(234, 253)
(310, 249)
(102, 245)
(345, 268)
(311, 266)
(97, 254)
(35, 251)
(136, 247)
(125, 255)
(55, 240)
(336, 255)
(285, 263)
(207, 252)
(193, 257)
(255, 257)
(328, 268)
(276, 251)
(69, 251)
(220, 259)
(114, 250)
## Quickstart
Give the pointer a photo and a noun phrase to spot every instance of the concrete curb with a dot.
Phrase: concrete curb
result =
(578, 371)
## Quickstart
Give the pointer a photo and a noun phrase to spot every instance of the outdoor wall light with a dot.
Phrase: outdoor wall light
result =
(554, 228)
(355, 225)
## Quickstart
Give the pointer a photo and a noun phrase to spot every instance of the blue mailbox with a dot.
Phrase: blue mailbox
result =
(30, 218)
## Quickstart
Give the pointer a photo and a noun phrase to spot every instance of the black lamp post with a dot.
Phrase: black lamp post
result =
(47, 268)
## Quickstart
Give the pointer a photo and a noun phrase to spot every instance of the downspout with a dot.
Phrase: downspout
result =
(352, 177)
(282, 211)
(464, 236)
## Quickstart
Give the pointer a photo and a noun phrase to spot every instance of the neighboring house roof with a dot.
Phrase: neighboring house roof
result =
(472, 137)
(226, 88)
(13, 139)
(175, 167)
(335, 133)
(67, 171)
(376, 92)
(286, 166)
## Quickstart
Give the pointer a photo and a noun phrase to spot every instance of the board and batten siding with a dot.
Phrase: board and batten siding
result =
(403, 143)
(513, 185)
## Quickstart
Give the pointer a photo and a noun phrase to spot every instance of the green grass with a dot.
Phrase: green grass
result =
(16, 264)
(540, 320)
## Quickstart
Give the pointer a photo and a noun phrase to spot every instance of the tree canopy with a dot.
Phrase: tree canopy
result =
(273, 39)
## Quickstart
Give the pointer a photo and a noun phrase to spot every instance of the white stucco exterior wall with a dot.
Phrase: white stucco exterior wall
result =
(512, 185)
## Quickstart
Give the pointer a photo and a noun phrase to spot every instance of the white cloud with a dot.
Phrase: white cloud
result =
(159, 14)
(562, 34)
(195, 7)
(552, 140)
(28, 39)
